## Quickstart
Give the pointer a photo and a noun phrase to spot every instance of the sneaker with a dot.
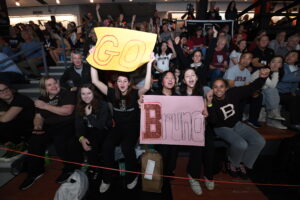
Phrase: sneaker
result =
(132, 185)
(262, 115)
(232, 170)
(243, 172)
(254, 124)
(63, 177)
(103, 187)
(275, 114)
(210, 184)
(29, 181)
(195, 185)
(276, 124)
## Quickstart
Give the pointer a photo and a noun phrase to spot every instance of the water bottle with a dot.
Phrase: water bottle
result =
(47, 160)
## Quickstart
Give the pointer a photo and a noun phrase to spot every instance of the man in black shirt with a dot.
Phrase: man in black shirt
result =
(262, 54)
(77, 74)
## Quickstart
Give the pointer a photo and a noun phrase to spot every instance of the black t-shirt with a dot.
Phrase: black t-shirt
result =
(27, 113)
(264, 56)
(64, 97)
(125, 113)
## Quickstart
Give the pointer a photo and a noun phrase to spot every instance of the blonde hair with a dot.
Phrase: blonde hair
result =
(43, 80)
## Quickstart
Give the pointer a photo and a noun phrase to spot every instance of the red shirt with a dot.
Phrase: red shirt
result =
(219, 57)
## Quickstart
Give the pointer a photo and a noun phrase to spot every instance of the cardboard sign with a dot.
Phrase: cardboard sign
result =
(176, 120)
(121, 49)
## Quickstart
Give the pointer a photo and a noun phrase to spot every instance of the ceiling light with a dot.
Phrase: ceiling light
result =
(130, 0)
(18, 3)
(58, 1)
(92, 1)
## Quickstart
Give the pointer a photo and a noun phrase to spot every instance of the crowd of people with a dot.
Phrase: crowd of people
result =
(93, 111)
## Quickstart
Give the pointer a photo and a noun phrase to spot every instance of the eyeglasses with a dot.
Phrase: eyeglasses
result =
(4, 90)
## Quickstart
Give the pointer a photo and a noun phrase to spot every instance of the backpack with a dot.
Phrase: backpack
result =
(74, 188)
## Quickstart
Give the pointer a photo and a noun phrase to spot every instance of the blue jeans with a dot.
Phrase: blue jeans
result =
(245, 143)
(271, 98)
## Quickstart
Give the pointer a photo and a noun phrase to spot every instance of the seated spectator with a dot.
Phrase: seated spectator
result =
(255, 42)
(278, 44)
(93, 120)
(163, 57)
(32, 54)
(199, 67)
(238, 75)
(291, 44)
(16, 115)
(270, 93)
(262, 54)
(245, 143)
(77, 74)
(9, 71)
(288, 88)
(53, 122)
(57, 54)
(237, 52)
(14, 41)
(240, 35)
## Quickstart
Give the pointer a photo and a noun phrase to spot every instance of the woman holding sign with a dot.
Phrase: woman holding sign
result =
(245, 142)
(191, 86)
(126, 115)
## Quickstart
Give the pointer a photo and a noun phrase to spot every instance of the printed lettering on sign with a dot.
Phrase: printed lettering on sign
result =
(165, 120)
(121, 49)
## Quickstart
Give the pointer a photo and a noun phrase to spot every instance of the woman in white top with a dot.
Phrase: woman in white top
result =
(163, 57)
(270, 93)
(237, 52)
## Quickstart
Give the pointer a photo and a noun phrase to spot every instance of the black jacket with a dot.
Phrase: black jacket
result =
(71, 75)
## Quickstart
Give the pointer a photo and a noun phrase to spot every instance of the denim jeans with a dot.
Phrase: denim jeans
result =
(245, 143)
(271, 98)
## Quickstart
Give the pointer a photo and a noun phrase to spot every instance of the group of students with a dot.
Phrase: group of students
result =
(62, 119)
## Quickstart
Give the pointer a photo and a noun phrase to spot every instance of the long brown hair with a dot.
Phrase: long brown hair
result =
(43, 80)
(95, 103)
(118, 93)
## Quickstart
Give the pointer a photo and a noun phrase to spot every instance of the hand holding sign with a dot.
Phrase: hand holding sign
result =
(121, 49)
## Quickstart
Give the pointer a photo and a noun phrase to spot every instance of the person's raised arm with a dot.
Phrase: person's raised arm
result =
(133, 21)
(170, 45)
(147, 84)
(99, 84)
(98, 12)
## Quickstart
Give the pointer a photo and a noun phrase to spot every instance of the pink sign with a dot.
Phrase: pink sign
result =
(176, 120)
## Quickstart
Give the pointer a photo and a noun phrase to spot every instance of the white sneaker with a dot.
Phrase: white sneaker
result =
(132, 185)
(210, 184)
(276, 124)
(275, 114)
(262, 115)
(104, 187)
(195, 185)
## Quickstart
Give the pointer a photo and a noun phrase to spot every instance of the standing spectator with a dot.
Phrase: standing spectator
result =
(278, 45)
(262, 54)
(213, 12)
(77, 74)
(231, 11)
(163, 57)
(126, 116)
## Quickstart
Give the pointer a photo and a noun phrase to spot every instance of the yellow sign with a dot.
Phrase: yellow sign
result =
(121, 49)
